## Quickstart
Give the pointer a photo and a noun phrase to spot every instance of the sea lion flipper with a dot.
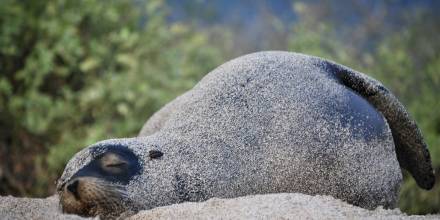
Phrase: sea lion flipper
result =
(411, 149)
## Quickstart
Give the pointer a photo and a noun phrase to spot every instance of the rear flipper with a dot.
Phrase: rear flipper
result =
(412, 152)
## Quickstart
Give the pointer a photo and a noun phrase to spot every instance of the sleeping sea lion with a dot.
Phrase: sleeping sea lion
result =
(267, 122)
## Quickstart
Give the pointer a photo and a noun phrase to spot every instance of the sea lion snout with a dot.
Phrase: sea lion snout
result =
(99, 188)
(90, 196)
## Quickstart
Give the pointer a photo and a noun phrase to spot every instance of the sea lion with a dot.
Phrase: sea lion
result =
(267, 122)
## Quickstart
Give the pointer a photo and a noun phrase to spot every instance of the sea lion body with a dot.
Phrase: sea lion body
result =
(268, 122)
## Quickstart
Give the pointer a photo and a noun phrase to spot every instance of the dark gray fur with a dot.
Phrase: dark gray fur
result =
(273, 122)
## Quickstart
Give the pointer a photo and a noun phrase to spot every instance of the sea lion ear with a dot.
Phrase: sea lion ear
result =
(153, 154)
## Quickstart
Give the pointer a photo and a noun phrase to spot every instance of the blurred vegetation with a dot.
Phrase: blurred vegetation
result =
(75, 72)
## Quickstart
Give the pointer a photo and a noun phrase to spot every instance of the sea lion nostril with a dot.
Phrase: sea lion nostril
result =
(73, 188)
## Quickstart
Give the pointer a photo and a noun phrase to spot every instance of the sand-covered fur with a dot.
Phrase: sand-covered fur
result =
(271, 122)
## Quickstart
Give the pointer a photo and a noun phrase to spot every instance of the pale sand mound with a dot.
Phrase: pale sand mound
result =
(272, 206)
(29, 208)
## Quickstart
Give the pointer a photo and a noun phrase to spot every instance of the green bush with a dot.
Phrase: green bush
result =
(75, 72)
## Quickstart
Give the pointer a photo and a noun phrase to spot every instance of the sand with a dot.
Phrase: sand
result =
(270, 206)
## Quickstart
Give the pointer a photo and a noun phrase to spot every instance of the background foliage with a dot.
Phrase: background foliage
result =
(75, 72)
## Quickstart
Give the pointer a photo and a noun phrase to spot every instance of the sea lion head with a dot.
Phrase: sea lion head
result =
(95, 181)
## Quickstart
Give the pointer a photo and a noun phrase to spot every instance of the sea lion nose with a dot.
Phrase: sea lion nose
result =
(72, 187)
